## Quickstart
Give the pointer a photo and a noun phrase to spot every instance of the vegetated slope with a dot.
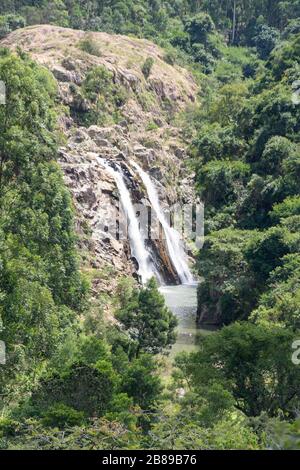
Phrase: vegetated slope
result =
(246, 158)
(49, 45)
(119, 100)
(242, 384)
(61, 358)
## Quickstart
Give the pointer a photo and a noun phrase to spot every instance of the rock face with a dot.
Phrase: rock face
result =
(144, 132)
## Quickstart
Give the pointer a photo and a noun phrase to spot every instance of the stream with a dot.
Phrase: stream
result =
(182, 301)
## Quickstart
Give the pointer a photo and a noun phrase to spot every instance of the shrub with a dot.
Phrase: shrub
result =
(170, 57)
(287, 208)
(9, 23)
(89, 45)
(105, 96)
(61, 415)
(151, 126)
(277, 150)
(147, 67)
(7, 426)
(87, 389)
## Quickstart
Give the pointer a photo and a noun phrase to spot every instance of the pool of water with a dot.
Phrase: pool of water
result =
(182, 300)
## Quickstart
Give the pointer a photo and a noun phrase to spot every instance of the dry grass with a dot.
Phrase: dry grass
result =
(49, 45)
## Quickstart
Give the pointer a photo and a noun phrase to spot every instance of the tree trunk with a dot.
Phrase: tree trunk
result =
(233, 22)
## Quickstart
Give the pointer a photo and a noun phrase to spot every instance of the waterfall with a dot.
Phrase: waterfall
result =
(146, 268)
(174, 244)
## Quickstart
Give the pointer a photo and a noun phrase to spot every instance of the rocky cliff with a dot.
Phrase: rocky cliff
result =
(141, 128)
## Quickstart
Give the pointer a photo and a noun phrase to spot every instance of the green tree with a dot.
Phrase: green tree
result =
(39, 278)
(228, 291)
(149, 322)
(9, 23)
(85, 388)
(277, 150)
(265, 40)
(142, 382)
(265, 251)
(27, 119)
(253, 363)
(198, 27)
(220, 182)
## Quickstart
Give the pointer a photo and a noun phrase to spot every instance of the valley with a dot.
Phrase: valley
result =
(149, 225)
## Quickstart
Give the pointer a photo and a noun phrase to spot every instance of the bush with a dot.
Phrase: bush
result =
(89, 45)
(141, 383)
(87, 389)
(151, 126)
(265, 40)
(9, 23)
(170, 57)
(147, 67)
(104, 95)
(198, 27)
(289, 207)
(8, 427)
(61, 415)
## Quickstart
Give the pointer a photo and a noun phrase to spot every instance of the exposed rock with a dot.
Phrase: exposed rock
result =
(69, 64)
(128, 79)
(160, 151)
(61, 74)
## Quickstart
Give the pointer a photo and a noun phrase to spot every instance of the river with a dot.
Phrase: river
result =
(182, 301)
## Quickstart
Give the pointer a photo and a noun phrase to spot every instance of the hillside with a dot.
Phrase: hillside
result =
(117, 332)
(143, 128)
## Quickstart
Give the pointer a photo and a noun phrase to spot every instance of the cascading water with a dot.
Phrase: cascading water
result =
(146, 268)
(174, 244)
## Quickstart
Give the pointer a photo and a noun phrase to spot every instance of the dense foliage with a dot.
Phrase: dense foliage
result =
(74, 381)
(246, 157)
(41, 288)
(245, 153)
(59, 369)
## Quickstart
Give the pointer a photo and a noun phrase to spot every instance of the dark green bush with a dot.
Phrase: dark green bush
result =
(147, 67)
(60, 415)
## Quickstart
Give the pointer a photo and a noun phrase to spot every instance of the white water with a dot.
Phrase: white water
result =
(174, 244)
(146, 268)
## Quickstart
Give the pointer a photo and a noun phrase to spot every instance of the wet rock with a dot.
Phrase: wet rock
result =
(156, 173)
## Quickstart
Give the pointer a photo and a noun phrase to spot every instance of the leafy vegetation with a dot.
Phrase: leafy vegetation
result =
(245, 153)
(147, 67)
(72, 381)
